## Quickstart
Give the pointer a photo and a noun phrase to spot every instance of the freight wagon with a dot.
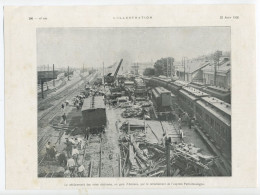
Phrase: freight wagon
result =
(162, 98)
(94, 112)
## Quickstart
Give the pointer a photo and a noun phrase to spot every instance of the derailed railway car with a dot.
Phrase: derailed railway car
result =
(94, 113)
(214, 116)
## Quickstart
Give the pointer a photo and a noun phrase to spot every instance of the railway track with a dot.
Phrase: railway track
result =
(62, 96)
(59, 94)
(93, 151)
(52, 112)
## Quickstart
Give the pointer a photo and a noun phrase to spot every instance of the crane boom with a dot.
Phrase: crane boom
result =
(117, 69)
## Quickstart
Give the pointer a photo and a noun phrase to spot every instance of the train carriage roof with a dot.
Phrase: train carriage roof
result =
(93, 103)
(161, 90)
(180, 83)
(155, 93)
(195, 92)
(186, 94)
(219, 104)
(217, 90)
(215, 112)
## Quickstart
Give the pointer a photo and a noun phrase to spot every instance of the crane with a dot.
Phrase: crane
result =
(109, 79)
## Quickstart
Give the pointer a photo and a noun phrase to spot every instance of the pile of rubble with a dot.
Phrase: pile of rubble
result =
(144, 103)
(135, 111)
(140, 158)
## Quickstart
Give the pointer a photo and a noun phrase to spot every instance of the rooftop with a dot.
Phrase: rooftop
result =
(223, 67)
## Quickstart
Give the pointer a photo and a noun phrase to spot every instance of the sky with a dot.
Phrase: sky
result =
(92, 46)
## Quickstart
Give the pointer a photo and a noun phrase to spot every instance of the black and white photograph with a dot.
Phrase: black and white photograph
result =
(134, 102)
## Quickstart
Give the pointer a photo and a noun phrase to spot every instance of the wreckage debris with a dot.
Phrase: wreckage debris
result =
(142, 159)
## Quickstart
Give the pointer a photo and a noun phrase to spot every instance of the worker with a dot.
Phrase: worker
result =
(62, 106)
(87, 131)
(64, 117)
(186, 118)
(189, 122)
(81, 170)
(193, 122)
(68, 147)
(179, 122)
(181, 134)
(71, 140)
(127, 127)
(67, 173)
(71, 165)
(77, 105)
(52, 152)
(164, 139)
(61, 158)
(78, 143)
(103, 129)
(75, 154)
(81, 143)
(48, 147)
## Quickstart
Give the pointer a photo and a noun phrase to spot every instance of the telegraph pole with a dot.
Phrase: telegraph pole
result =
(103, 76)
(170, 68)
(42, 88)
(53, 75)
(48, 78)
(167, 67)
(173, 68)
(184, 69)
(216, 63)
(68, 73)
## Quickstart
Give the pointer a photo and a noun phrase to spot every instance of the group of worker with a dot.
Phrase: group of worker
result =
(187, 120)
(78, 101)
(68, 158)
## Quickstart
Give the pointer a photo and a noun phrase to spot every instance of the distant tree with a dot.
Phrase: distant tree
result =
(161, 64)
(149, 72)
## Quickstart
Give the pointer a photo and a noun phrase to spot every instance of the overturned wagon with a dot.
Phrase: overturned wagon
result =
(94, 113)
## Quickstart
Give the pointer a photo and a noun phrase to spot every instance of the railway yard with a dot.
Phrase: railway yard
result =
(134, 127)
